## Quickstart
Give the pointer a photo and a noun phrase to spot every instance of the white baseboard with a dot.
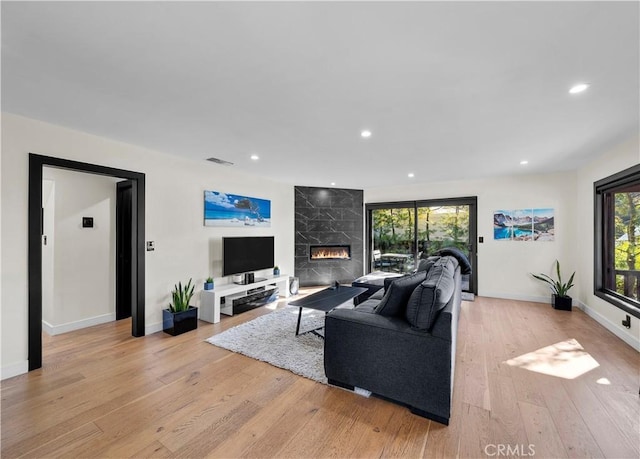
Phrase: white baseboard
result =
(606, 323)
(48, 328)
(16, 369)
(153, 328)
(509, 296)
(77, 325)
(58, 329)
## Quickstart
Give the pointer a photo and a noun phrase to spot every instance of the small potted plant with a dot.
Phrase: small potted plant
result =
(208, 284)
(561, 300)
(180, 317)
(276, 271)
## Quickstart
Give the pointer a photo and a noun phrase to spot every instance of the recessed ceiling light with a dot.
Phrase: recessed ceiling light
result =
(411, 175)
(578, 88)
(365, 134)
(255, 157)
(524, 162)
(333, 183)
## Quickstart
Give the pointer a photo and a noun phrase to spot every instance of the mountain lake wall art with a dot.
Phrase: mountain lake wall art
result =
(524, 225)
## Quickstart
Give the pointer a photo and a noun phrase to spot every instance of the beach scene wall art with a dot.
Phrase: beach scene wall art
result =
(223, 209)
(524, 225)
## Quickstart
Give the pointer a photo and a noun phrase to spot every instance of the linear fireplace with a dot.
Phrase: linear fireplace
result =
(330, 252)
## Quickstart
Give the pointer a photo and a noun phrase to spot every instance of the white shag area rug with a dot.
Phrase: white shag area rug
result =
(272, 339)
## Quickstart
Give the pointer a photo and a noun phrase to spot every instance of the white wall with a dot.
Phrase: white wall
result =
(185, 248)
(504, 266)
(615, 160)
(48, 251)
(84, 258)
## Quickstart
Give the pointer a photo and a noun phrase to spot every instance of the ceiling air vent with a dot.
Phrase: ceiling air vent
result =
(220, 161)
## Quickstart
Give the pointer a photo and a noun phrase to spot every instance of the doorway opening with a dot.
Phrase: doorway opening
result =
(129, 282)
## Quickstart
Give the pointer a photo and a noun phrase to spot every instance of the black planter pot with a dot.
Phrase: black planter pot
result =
(562, 303)
(176, 323)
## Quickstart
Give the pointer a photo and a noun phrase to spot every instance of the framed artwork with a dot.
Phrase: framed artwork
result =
(524, 225)
(222, 209)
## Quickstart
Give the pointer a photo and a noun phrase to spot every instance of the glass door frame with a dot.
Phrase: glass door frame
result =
(471, 201)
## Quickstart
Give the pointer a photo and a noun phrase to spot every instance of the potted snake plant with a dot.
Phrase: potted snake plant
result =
(181, 317)
(561, 299)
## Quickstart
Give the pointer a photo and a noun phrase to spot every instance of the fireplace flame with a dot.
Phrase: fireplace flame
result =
(320, 253)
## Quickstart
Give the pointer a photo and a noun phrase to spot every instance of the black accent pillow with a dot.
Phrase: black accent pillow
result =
(465, 265)
(432, 295)
(394, 301)
(390, 280)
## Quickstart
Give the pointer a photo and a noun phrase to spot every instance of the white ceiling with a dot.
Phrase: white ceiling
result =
(450, 90)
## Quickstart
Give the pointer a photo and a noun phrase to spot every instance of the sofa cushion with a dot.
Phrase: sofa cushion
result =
(378, 295)
(395, 299)
(423, 265)
(368, 306)
(426, 263)
(432, 295)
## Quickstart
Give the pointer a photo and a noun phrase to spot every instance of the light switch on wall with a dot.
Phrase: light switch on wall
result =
(151, 246)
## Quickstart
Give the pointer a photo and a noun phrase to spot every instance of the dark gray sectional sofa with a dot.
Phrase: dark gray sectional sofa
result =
(400, 344)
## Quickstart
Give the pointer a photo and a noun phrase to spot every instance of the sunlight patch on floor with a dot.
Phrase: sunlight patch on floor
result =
(566, 359)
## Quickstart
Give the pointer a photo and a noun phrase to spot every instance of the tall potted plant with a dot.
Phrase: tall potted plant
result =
(180, 317)
(561, 299)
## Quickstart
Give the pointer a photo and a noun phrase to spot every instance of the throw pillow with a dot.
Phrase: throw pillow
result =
(395, 299)
(432, 295)
(390, 280)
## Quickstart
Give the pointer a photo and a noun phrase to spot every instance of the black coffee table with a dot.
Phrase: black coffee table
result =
(325, 300)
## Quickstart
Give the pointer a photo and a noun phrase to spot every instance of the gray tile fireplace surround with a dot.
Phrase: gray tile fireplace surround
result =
(328, 216)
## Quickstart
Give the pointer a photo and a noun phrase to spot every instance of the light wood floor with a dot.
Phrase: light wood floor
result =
(103, 393)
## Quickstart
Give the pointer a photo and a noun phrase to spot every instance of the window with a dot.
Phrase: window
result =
(401, 233)
(393, 238)
(617, 240)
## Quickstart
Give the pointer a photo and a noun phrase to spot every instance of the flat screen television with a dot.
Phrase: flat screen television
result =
(246, 254)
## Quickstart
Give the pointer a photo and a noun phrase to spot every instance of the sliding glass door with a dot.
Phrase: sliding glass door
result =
(393, 239)
(402, 233)
(440, 227)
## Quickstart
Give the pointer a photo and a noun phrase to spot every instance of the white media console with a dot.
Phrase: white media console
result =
(211, 299)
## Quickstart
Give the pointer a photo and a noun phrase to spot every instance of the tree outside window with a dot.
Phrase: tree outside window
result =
(626, 246)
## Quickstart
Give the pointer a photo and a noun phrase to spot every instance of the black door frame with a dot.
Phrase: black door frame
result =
(36, 163)
(126, 192)
(471, 201)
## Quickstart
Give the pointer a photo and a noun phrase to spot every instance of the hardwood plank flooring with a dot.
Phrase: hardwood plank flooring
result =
(102, 393)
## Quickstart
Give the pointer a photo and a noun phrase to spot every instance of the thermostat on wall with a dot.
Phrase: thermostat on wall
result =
(87, 222)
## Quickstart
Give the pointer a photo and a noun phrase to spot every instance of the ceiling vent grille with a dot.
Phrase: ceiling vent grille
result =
(220, 161)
